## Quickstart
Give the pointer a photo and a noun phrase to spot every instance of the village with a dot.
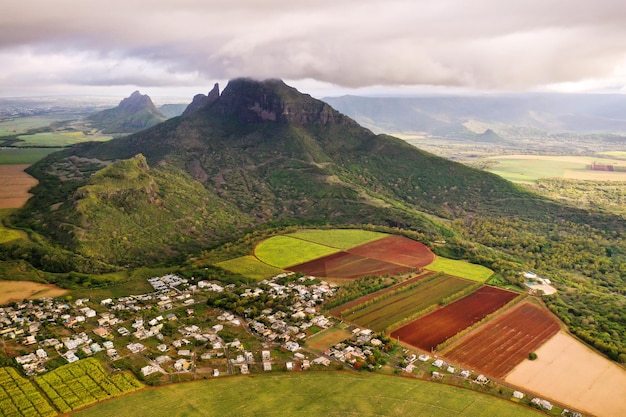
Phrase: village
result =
(176, 333)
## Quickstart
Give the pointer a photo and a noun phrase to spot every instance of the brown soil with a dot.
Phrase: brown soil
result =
(503, 343)
(14, 186)
(20, 290)
(569, 372)
(435, 328)
(397, 250)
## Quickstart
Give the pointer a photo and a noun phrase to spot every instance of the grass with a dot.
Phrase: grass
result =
(6, 235)
(309, 394)
(17, 156)
(461, 269)
(23, 124)
(338, 238)
(327, 338)
(530, 168)
(383, 313)
(284, 251)
(122, 283)
(56, 139)
(250, 267)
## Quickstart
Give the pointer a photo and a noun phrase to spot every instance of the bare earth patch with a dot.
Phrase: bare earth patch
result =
(14, 186)
(19, 290)
(569, 372)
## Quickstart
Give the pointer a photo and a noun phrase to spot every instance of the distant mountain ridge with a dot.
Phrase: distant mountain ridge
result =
(551, 113)
(134, 113)
(258, 153)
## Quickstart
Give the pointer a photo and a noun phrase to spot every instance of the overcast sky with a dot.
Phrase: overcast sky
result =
(323, 47)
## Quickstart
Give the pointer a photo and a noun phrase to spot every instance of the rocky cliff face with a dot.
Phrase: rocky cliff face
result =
(200, 101)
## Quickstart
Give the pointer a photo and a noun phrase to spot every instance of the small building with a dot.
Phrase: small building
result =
(267, 366)
(518, 395)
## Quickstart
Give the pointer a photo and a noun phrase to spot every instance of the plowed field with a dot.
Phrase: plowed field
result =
(346, 265)
(397, 250)
(389, 255)
(14, 186)
(435, 328)
(503, 343)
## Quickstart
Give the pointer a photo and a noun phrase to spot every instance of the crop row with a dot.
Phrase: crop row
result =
(18, 396)
(84, 382)
(385, 313)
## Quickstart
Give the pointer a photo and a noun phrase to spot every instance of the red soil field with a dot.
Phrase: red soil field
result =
(435, 328)
(347, 265)
(503, 343)
(397, 250)
(338, 310)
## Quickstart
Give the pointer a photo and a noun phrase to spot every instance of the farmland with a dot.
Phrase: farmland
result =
(84, 382)
(14, 186)
(338, 238)
(250, 267)
(529, 168)
(346, 265)
(309, 394)
(18, 397)
(20, 290)
(427, 332)
(56, 139)
(566, 370)
(503, 343)
(397, 250)
(284, 251)
(24, 156)
(380, 314)
(327, 338)
(461, 269)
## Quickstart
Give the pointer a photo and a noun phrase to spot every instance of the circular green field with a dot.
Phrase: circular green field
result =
(325, 394)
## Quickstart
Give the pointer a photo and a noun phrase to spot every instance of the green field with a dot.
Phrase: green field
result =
(385, 312)
(461, 269)
(327, 338)
(338, 238)
(56, 139)
(530, 168)
(84, 382)
(17, 156)
(250, 267)
(310, 394)
(23, 124)
(284, 251)
(19, 397)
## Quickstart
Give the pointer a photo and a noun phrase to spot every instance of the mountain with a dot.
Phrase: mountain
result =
(134, 113)
(261, 152)
(535, 113)
(172, 110)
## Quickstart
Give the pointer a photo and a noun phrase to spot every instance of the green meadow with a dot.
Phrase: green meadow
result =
(462, 269)
(24, 156)
(250, 267)
(56, 139)
(284, 251)
(339, 238)
(24, 124)
(530, 168)
(327, 394)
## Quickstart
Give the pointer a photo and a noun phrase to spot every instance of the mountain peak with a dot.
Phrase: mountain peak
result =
(136, 102)
(134, 113)
(201, 101)
(272, 100)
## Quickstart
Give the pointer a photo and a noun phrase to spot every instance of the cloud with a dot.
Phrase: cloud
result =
(480, 44)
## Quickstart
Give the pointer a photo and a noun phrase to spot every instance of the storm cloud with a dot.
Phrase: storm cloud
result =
(474, 44)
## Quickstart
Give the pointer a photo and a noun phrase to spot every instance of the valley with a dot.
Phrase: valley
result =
(248, 186)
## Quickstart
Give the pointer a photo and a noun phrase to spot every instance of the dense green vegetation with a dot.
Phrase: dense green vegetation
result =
(319, 393)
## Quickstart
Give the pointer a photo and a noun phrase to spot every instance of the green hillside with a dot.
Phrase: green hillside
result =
(134, 113)
(263, 155)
